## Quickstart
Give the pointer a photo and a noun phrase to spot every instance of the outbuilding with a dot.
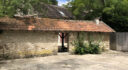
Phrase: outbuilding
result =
(29, 36)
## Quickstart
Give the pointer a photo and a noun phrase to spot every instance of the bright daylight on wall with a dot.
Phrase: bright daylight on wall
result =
(63, 34)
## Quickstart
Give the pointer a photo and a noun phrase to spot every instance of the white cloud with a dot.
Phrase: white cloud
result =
(61, 2)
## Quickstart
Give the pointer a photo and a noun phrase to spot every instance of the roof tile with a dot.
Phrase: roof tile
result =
(47, 24)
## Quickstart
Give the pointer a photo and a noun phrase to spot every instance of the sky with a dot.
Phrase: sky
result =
(61, 2)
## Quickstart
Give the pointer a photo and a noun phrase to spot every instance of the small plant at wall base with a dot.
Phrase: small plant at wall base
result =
(86, 48)
(93, 48)
(79, 45)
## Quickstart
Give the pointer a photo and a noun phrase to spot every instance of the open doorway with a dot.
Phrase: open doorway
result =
(63, 42)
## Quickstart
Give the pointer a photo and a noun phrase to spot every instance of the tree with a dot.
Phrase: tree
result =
(54, 2)
(11, 7)
(86, 9)
(112, 12)
(115, 14)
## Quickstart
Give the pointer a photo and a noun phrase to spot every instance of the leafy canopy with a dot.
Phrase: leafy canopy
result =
(11, 7)
(112, 12)
(115, 14)
(83, 9)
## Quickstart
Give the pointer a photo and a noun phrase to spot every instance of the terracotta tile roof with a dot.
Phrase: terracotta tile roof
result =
(46, 24)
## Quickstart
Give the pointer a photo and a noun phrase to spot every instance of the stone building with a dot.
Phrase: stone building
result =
(26, 36)
(36, 36)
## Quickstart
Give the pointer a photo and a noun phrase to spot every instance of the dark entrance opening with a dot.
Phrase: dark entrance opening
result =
(1, 31)
(64, 37)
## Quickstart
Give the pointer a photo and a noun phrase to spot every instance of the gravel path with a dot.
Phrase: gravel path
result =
(107, 61)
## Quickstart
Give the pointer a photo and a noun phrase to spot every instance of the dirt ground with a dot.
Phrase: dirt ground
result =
(106, 61)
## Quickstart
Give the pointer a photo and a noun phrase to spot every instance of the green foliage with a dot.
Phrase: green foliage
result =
(112, 12)
(11, 7)
(93, 48)
(86, 48)
(80, 46)
(86, 9)
(80, 50)
(115, 14)
(53, 2)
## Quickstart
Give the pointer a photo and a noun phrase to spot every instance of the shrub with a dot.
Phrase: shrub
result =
(86, 48)
(94, 48)
(91, 48)
(80, 46)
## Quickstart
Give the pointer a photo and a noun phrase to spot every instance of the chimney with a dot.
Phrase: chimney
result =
(97, 20)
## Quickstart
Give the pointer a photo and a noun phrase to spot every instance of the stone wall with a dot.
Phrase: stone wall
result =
(17, 44)
(101, 38)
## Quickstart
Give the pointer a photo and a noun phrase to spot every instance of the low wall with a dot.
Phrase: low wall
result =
(17, 44)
